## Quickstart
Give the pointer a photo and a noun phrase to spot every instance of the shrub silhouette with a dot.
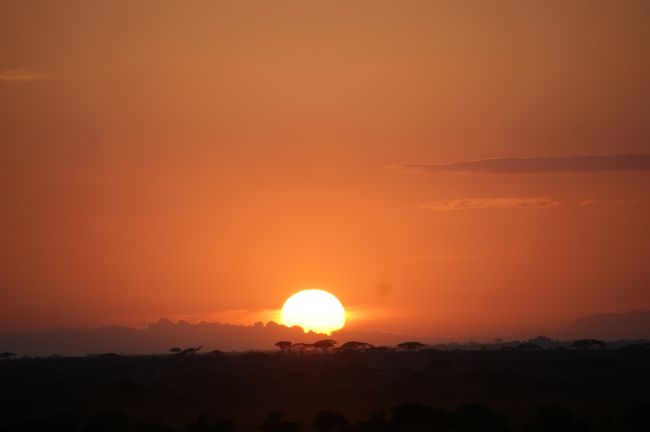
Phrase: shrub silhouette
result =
(274, 423)
(175, 350)
(330, 421)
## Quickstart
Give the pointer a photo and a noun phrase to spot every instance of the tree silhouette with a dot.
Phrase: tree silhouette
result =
(381, 349)
(330, 421)
(355, 346)
(283, 345)
(274, 423)
(7, 355)
(189, 351)
(175, 350)
(410, 346)
(588, 344)
(324, 345)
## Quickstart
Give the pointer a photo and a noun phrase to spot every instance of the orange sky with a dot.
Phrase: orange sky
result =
(208, 159)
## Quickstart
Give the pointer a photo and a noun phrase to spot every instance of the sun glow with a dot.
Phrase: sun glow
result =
(314, 310)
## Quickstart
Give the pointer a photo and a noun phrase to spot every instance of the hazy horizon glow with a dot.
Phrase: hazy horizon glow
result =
(445, 167)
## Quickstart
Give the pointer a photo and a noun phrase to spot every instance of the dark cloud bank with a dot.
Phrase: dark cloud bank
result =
(539, 165)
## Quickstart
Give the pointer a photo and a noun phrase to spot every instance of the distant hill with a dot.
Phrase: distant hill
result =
(158, 337)
(628, 325)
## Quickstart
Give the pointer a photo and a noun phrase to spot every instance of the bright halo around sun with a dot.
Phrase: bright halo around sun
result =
(314, 310)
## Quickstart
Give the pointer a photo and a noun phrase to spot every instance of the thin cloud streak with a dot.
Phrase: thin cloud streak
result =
(532, 203)
(538, 165)
(21, 76)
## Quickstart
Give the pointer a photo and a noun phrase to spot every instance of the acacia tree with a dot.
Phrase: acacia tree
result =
(411, 346)
(589, 344)
(355, 346)
(189, 351)
(283, 345)
(324, 345)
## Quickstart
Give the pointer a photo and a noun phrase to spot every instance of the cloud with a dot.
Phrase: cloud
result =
(534, 203)
(587, 202)
(539, 165)
(20, 76)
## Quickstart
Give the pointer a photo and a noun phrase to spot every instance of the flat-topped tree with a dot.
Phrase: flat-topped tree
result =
(588, 344)
(189, 351)
(355, 346)
(302, 348)
(283, 345)
(324, 345)
(410, 346)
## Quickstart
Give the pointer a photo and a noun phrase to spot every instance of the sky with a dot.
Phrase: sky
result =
(445, 168)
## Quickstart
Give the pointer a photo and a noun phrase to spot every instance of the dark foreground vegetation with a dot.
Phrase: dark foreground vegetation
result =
(418, 390)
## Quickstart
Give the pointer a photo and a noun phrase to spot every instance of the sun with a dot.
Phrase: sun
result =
(314, 310)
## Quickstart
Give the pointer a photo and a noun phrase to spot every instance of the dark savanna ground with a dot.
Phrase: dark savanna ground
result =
(517, 390)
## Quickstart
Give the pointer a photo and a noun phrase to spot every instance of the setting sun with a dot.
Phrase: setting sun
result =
(314, 310)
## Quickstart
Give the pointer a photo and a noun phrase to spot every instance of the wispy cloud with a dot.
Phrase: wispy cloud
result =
(533, 203)
(21, 76)
(538, 165)
(587, 202)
